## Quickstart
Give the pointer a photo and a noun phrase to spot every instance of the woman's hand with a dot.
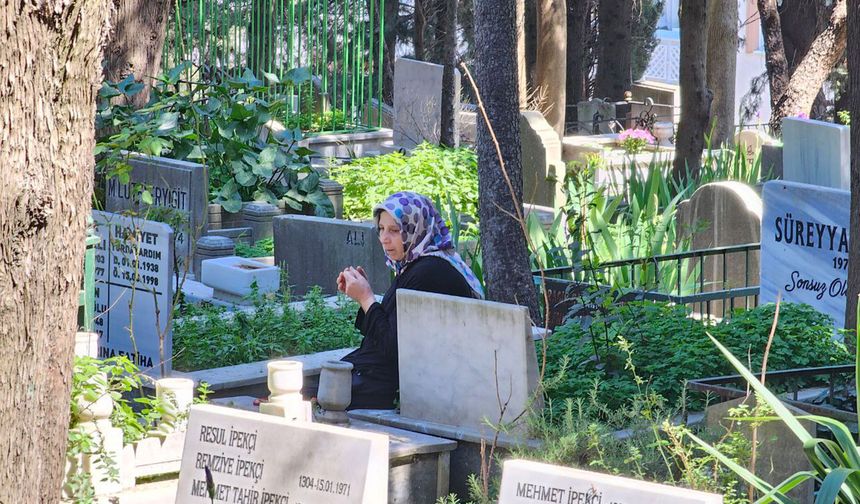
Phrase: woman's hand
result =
(353, 282)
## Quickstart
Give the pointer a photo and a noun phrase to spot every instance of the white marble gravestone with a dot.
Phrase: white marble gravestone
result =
(458, 356)
(804, 246)
(816, 152)
(527, 482)
(257, 458)
(174, 184)
(543, 168)
(418, 102)
(133, 264)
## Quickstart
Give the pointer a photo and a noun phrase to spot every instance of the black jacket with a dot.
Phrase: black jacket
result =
(375, 375)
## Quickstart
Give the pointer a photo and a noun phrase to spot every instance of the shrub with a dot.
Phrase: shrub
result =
(432, 171)
(205, 338)
(669, 348)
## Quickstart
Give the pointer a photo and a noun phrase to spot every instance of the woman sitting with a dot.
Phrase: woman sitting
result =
(418, 247)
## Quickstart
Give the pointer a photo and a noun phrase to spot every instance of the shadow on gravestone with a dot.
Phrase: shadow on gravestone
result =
(721, 214)
(174, 184)
(816, 152)
(418, 102)
(313, 250)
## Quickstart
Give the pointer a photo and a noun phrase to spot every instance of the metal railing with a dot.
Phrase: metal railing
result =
(339, 41)
(712, 282)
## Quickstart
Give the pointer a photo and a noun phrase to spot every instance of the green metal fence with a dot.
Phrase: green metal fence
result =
(339, 41)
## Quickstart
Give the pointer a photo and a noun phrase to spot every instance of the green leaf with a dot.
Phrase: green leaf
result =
(298, 75)
(304, 151)
(268, 155)
(213, 104)
(168, 121)
(108, 91)
(310, 183)
(175, 72)
(196, 153)
(833, 483)
(781, 411)
(146, 196)
(272, 78)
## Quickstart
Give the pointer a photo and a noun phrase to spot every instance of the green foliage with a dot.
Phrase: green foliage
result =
(217, 124)
(844, 117)
(312, 122)
(669, 347)
(263, 248)
(645, 16)
(432, 171)
(208, 337)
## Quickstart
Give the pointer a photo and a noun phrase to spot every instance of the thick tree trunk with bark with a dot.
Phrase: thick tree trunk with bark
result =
(447, 20)
(50, 68)
(614, 19)
(578, 30)
(853, 42)
(389, 38)
(721, 68)
(504, 251)
(551, 65)
(695, 96)
(137, 42)
(777, 67)
(419, 23)
(812, 71)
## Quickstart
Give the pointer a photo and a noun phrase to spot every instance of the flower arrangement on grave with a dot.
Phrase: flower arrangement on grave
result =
(634, 140)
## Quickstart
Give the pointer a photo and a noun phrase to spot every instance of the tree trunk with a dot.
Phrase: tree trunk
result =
(695, 96)
(720, 68)
(419, 22)
(448, 22)
(578, 29)
(614, 18)
(50, 68)
(550, 68)
(389, 38)
(853, 42)
(137, 43)
(504, 252)
(812, 71)
(777, 67)
(522, 66)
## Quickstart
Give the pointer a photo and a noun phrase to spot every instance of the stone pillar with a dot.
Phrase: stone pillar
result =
(285, 381)
(258, 217)
(177, 394)
(335, 392)
(87, 344)
(95, 422)
(334, 191)
(210, 247)
(214, 220)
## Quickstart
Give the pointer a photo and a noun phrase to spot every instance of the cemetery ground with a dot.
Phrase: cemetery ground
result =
(638, 276)
(208, 362)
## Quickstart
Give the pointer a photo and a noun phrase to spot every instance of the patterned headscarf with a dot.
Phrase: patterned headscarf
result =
(424, 233)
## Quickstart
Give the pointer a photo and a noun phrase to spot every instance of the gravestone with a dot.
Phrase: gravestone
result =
(780, 454)
(804, 246)
(771, 161)
(257, 458)
(751, 141)
(178, 185)
(418, 102)
(816, 152)
(721, 214)
(543, 169)
(459, 355)
(134, 264)
(528, 482)
(594, 116)
(313, 250)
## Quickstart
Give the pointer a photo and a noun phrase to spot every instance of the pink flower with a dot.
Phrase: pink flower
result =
(802, 115)
(638, 134)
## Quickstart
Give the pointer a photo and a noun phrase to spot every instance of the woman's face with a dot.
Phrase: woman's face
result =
(390, 237)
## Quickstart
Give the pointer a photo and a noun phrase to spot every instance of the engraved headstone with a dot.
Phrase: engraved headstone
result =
(804, 246)
(418, 102)
(816, 152)
(313, 250)
(527, 482)
(593, 117)
(257, 458)
(134, 290)
(179, 185)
